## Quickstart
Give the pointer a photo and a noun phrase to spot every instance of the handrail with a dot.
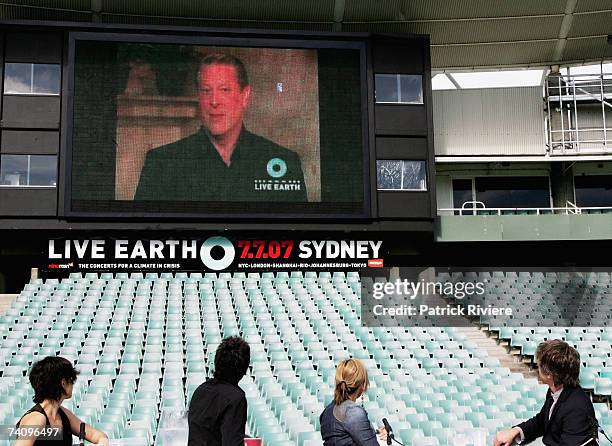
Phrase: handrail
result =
(571, 209)
(474, 207)
(474, 202)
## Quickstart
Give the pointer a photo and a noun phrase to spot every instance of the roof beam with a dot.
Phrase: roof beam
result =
(564, 30)
(338, 14)
(453, 80)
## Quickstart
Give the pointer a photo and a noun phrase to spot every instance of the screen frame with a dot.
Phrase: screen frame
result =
(66, 149)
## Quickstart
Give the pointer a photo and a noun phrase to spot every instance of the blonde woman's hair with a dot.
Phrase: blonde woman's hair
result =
(351, 374)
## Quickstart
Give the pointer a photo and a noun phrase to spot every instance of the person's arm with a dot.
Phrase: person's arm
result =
(578, 425)
(526, 431)
(505, 438)
(534, 427)
(233, 424)
(91, 434)
(33, 420)
(359, 428)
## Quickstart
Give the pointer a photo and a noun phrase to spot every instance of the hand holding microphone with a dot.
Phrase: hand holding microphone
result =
(386, 433)
(382, 433)
(82, 434)
(389, 431)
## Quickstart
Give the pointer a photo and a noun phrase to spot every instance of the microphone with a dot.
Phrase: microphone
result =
(389, 430)
(598, 429)
(594, 426)
(82, 434)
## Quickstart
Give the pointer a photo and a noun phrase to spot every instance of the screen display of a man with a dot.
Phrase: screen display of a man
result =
(567, 417)
(222, 161)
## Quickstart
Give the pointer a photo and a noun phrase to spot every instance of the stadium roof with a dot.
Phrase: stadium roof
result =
(465, 34)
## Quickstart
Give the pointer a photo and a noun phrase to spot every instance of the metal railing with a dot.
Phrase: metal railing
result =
(565, 210)
(568, 130)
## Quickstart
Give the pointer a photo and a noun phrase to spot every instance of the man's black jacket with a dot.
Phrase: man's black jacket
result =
(191, 169)
(571, 422)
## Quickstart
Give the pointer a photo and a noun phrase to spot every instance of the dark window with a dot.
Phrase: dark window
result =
(593, 190)
(462, 193)
(401, 175)
(29, 78)
(398, 88)
(28, 170)
(513, 192)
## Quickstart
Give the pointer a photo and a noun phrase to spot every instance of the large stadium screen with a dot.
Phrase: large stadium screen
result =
(175, 128)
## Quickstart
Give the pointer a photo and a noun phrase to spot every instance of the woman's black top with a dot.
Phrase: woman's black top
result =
(66, 439)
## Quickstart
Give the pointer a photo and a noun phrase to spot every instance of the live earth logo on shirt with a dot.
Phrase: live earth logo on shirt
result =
(217, 253)
(276, 169)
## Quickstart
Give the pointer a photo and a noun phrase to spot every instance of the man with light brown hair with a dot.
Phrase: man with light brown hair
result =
(222, 161)
(567, 417)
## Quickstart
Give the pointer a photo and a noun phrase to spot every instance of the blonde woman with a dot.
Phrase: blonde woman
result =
(343, 422)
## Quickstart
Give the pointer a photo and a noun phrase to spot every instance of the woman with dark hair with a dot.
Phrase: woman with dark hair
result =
(218, 407)
(52, 379)
(343, 422)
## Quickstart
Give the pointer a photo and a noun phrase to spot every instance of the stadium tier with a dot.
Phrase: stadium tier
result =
(143, 343)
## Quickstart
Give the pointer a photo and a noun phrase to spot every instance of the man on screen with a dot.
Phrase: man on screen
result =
(222, 161)
(567, 417)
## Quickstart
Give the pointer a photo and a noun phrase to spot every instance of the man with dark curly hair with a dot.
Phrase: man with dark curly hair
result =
(52, 379)
(567, 417)
(218, 408)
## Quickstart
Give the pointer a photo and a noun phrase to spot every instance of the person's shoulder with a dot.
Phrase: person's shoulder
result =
(33, 418)
(355, 410)
(177, 148)
(235, 391)
(578, 394)
(329, 407)
(67, 412)
(271, 147)
(355, 414)
(327, 411)
(229, 391)
(204, 386)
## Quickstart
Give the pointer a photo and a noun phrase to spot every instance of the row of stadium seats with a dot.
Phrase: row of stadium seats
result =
(143, 343)
(594, 345)
(535, 298)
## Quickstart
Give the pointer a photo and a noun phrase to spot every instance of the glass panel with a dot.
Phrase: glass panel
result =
(43, 170)
(414, 177)
(411, 89)
(389, 174)
(513, 192)
(401, 175)
(46, 79)
(385, 86)
(593, 191)
(14, 170)
(399, 88)
(462, 193)
(18, 78)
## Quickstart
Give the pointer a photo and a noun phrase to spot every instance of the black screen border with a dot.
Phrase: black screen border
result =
(66, 150)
